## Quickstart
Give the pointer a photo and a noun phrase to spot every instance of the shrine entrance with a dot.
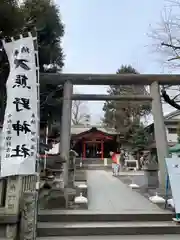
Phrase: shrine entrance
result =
(153, 80)
(94, 143)
(93, 149)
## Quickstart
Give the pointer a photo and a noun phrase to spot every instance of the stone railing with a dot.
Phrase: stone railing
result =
(18, 207)
(53, 193)
(29, 183)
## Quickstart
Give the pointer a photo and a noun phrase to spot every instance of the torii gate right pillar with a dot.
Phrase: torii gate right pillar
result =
(160, 132)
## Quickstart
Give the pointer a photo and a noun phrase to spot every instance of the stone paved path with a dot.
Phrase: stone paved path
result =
(108, 194)
(133, 237)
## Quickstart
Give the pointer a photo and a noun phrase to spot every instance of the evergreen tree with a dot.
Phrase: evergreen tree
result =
(45, 16)
(11, 21)
(15, 19)
(121, 115)
(11, 18)
(139, 137)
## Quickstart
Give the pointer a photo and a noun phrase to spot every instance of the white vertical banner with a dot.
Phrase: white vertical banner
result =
(20, 128)
(173, 169)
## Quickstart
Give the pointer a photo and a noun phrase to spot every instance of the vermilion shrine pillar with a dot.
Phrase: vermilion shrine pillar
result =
(102, 149)
(84, 150)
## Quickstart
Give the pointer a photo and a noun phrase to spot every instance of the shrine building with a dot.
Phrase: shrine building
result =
(94, 141)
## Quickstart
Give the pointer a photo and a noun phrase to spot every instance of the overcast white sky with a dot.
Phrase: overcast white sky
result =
(101, 35)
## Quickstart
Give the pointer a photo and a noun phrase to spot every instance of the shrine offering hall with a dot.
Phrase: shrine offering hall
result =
(94, 142)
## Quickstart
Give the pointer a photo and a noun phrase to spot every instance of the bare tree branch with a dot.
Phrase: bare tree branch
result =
(176, 96)
(166, 42)
(166, 35)
(80, 113)
(170, 101)
(170, 45)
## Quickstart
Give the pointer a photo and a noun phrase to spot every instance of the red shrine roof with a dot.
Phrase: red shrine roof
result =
(78, 129)
(92, 133)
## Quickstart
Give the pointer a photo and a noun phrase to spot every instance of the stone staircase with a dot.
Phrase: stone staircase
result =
(59, 223)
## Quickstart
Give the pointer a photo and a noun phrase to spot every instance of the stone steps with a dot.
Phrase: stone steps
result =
(58, 223)
(106, 228)
(88, 216)
(116, 237)
(96, 167)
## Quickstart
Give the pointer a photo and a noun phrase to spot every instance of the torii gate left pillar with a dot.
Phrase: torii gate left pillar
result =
(65, 136)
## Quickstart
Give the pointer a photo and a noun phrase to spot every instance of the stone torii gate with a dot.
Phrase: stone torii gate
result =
(68, 80)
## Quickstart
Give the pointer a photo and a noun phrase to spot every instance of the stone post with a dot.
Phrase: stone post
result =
(65, 136)
(160, 132)
(105, 161)
(28, 216)
(12, 204)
